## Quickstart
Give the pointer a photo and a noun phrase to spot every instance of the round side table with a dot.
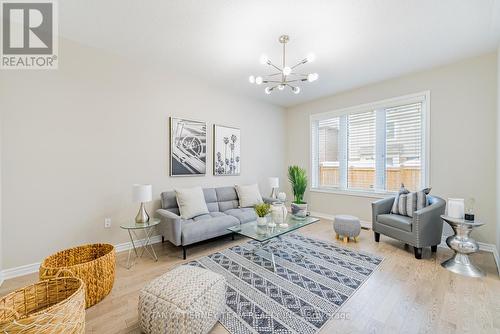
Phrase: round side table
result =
(463, 245)
(147, 229)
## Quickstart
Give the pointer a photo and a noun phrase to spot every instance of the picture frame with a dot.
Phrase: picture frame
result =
(226, 150)
(188, 147)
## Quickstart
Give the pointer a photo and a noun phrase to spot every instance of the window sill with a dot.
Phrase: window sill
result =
(356, 193)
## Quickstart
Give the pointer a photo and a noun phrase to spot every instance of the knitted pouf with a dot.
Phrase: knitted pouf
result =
(346, 227)
(185, 300)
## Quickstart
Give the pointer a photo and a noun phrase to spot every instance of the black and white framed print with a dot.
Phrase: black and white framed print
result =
(188, 147)
(227, 153)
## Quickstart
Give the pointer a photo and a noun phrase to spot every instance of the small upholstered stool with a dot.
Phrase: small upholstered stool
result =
(346, 227)
(185, 300)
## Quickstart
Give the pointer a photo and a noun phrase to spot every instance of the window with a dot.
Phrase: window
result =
(374, 147)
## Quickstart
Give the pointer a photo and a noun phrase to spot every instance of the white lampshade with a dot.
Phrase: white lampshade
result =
(142, 193)
(274, 182)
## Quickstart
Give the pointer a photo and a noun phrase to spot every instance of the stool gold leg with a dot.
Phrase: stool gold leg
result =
(337, 236)
(346, 239)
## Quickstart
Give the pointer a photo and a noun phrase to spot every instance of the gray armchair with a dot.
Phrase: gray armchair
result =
(423, 230)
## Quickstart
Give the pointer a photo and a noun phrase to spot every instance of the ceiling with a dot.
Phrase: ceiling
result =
(356, 42)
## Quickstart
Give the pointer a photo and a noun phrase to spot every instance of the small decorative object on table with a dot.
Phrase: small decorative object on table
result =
(469, 209)
(298, 180)
(147, 229)
(346, 227)
(463, 245)
(274, 184)
(262, 210)
(456, 208)
(282, 197)
(142, 193)
(186, 300)
(94, 264)
(279, 213)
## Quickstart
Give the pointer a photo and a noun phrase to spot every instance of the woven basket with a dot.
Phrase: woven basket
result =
(93, 264)
(54, 306)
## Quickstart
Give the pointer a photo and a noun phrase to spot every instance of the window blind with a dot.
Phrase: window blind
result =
(328, 150)
(361, 133)
(404, 146)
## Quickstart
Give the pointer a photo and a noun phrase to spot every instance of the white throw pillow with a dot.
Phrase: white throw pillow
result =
(249, 195)
(191, 202)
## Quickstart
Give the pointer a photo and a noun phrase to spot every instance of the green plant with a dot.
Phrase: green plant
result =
(298, 179)
(262, 209)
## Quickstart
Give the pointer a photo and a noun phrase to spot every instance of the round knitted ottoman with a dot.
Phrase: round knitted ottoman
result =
(185, 300)
(346, 227)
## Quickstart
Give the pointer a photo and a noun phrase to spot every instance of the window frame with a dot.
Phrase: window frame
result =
(422, 97)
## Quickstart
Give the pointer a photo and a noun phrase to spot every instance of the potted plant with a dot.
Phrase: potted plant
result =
(298, 179)
(262, 210)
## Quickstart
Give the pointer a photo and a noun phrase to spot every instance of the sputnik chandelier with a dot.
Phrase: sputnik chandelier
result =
(286, 76)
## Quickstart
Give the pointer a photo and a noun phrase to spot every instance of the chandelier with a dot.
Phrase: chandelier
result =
(286, 76)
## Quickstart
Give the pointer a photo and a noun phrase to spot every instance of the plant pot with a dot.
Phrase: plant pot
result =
(261, 221)
(299, 210)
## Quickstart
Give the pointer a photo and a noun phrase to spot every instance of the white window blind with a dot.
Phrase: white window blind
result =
(361, 150)
(371, 149)
(404, 146)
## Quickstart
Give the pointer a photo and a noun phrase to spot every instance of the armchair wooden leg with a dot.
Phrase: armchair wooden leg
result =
(434, 248)
(232, 236)
(162, 239)
(377, 236)
(184, 252)
(418, 252)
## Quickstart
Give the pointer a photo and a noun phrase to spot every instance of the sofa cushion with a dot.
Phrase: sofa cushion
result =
(211, 199)
(227, 198)
(244, 215)
(397, 221)
(208, 216)
(206, 228)
(191, 202)
(248, 195)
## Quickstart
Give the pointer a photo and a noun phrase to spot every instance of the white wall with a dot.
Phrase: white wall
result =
(498, 150)
(462, 135)
(77, 138)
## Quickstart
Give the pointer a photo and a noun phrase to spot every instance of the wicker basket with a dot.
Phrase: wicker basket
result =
(93, 264)
(56, 305)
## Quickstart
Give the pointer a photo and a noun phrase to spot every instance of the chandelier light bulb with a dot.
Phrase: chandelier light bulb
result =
(312, 77)
(258, 80)
(251, 79)
(296, 90)
(310, 57)
(287, 70)
(264, 59)
(281, 87)
(267, 90)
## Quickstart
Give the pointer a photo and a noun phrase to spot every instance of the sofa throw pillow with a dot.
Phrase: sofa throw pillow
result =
(191, 202)
(407, 203)
(248, 195)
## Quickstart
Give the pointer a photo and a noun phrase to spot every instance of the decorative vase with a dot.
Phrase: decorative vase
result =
(261, 221)
(279, 213)
(299, 210)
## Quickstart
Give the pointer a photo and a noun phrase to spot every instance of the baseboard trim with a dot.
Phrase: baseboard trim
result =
(33, 268)
(364, 223)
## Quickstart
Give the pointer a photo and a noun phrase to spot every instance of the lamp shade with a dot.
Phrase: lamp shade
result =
(142, 193)
(274, 182)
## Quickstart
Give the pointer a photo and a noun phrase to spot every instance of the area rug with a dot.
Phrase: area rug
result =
(309, 282)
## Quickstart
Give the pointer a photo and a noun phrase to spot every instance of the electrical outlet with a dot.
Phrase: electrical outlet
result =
(107, 222)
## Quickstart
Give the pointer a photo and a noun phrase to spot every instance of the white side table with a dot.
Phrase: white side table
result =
(463, 245)
(147, 229)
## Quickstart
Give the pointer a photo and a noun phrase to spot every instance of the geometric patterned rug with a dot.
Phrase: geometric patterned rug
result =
(313, 279)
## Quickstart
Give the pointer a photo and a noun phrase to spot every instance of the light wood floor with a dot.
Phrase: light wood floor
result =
(404, 295)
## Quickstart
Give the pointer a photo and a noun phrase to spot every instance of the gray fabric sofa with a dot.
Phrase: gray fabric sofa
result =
(423, 230)
(223, 204)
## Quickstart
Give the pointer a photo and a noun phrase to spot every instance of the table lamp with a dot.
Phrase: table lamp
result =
(274, 183)
(142, 193)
